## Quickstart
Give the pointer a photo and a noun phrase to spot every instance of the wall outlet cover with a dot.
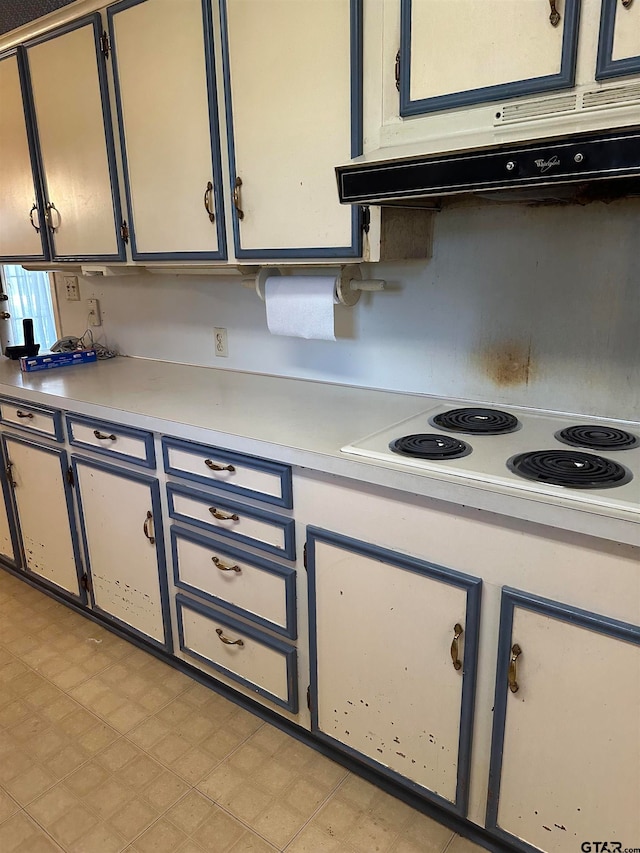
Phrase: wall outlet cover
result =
(221, 342)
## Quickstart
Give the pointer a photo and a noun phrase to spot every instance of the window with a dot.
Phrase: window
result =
(28, 295)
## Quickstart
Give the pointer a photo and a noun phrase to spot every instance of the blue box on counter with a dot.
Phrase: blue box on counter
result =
(56, 359)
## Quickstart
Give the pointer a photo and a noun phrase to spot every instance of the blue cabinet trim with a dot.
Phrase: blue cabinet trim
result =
(553, 82)
(104, 426)
(216, 163)
(606, 66)
(95, 22)
(156, 507)
(356, 72)
(285, 499)
(64, 465)
(473, 587)
(288, 652)
(512, 599)
(7, 493)
(286, 524)
(53, 413)
(287, 574)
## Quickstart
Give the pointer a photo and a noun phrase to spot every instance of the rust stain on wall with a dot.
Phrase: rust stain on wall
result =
(507, 362)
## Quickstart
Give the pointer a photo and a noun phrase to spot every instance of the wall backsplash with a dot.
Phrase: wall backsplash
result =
(533, 306)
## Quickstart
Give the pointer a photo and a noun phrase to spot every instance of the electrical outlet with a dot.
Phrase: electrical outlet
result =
(221, 342)
(71, 288)
(94, 312)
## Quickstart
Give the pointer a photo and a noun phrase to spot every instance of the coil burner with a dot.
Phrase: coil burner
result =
(430, 446)
(477, 421)
(569, 468)
(598, 437)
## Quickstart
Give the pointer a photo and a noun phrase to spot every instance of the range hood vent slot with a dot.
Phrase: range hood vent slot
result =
(536, 109)
(612, 97)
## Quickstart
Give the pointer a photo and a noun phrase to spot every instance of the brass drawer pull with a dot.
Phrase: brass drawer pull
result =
(147, 527)
(516, 651)
(457, 633)
(222, 515)
(9, 474)
(554, 17)
(33, 224)
(24, 414)
(215, 467)
(208, 201)
(236, 198)
(627, 3)
(102, 435)
(226, 640)
(218, 562)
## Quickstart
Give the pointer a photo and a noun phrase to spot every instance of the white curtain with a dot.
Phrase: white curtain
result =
(29, 296)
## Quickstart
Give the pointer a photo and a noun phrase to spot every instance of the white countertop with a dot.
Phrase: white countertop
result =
(296, 421)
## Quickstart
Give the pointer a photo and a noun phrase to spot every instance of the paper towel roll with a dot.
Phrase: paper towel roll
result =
(301, 306)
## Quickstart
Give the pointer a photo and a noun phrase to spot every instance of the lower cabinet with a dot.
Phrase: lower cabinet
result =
(393, 662)
(565, 766)
(38, 478)
(9, 545)
(121, 526)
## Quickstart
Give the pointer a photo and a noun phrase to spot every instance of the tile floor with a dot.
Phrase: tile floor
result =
(104, 748)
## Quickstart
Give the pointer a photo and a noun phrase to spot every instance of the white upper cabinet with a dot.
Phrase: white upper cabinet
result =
(166, 98)
(460, 52)
(619, 45)
(292, 85)
(73, 129)
(21, 219)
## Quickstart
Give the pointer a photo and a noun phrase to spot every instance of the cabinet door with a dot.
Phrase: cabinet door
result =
(73, 125)
(619, 44)
(459, 52)
(21, 234)
(122, 533)
(293, 114)
(167, 110)
(43, 503)
(561, 778)
(386, 633)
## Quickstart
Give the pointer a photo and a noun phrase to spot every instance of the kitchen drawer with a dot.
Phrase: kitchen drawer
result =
(250, 525)
(34, 419)
(114, 440)
(243, 653)
(245, 475)
(251, 586)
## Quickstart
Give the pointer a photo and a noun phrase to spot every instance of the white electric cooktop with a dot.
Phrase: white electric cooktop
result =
(597, 463)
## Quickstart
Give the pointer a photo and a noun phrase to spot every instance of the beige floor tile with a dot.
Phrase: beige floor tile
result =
(194, 765)
(99, 839)
(191, 811)
(427, 834)
(73, 824)
(313, 840)
(8, 806)
(279, 823)
(162, 837)
(52, 805)
(463, 845)
(165, 789)
(29, 784)
(148, 733)
(252, 843)
(219, 832)
(18, 831)
(133, 818)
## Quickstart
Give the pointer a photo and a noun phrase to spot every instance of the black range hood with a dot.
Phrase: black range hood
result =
(575, 168)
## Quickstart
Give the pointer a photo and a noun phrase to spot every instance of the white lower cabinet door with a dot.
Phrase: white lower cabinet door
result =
(565, 769)
(393, 662)
(38, 478)
(122, 531)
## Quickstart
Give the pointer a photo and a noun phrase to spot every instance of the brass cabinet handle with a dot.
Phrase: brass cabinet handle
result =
(9, 474)
(101, 435)
(516, 651)
(4, 315)
(218, 562)
(147, 526)
(223, 516)
(236, 198)
(208, 201)
(47, 215)
(215, 467)
(554, 17)
(226, 640)
(457, 633)
(397, 71)
(33, 224)
(24, 414)
(627, 3)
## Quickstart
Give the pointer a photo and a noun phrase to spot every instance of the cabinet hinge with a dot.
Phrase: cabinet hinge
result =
(124, 231)
(304, 555)
(309, 697)
(366, 218)
(105, 47)
(84, 583)
(70, 478)
(397, 70)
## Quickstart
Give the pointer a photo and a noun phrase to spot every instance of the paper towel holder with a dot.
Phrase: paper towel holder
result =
(349, 283)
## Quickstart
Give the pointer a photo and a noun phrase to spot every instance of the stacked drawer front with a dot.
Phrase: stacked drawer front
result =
(35, 419)
(237, 599)
(114, 440)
